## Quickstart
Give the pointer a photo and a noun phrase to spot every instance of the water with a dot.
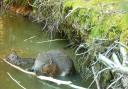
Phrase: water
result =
(20, 34)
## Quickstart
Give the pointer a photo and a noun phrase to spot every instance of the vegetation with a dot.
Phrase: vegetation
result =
(91, 26)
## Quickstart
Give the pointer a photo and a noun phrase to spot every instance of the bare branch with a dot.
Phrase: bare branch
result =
(109, 87)
(16, 81)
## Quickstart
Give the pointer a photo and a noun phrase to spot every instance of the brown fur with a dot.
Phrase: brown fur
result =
(51, 70)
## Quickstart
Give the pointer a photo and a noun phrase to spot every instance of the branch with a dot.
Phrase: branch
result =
(71, 12)
(98, 75)
(124, 55)
(106, 61)
(15, 81)
(116, 60)
(30, 38)
(96, 78)
(122, 44)
(58, 82)
(50, 41)
(18, 68)
(109, 87)
(115, 68)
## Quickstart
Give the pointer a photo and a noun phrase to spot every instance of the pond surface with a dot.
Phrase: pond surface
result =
(27, 39)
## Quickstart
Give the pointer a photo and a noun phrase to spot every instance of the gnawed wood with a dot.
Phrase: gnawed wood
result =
(57, 81)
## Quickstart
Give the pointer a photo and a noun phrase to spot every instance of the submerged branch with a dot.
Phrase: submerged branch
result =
(50, 41)
(30, 38)
(15, 81)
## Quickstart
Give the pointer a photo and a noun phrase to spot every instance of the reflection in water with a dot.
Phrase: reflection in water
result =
(2, 32)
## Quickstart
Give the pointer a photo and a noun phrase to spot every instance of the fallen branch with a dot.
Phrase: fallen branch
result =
(116, 60)
(106, 61)
(110, 86)
(114, 67)
(98, 75)
(15, 81)
(54, 80)
(96, 78)
(58, 82)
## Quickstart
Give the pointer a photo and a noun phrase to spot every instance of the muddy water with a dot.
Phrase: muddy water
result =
(27, 39)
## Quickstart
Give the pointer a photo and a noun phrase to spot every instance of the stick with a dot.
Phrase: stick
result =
(106, 61)
(59, 82)
(15, 81)
(50, 41)
(72, 11)
(98, 75)
(114, 82)
(30, 38)
(122, 44)
(114, 67)
(96, 78)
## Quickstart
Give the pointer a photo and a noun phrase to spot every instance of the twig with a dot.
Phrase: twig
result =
(114, 82)
(98, 75)
(110, 48)
(96, 78)
(122, 44)
(71, 12)
(30, 38)
(50, 41)
(15, 81)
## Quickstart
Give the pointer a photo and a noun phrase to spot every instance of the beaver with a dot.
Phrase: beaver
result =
(51, 70)
(56, 57)
(15, 59)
